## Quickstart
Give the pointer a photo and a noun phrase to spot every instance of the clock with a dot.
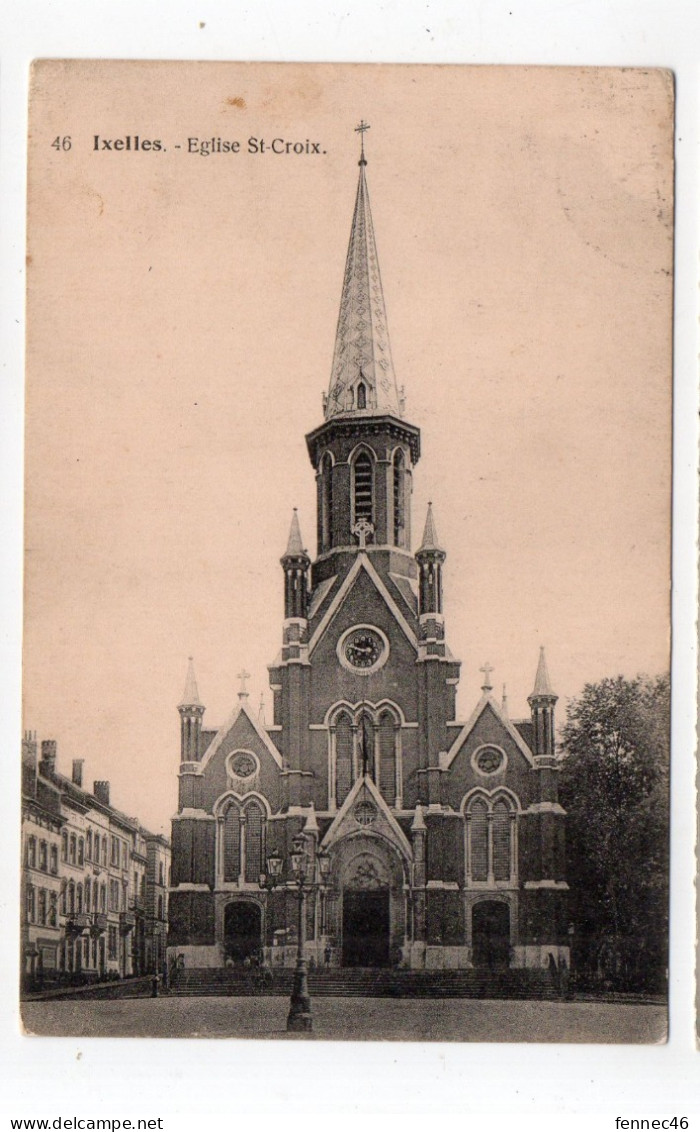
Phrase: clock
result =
(363, 649)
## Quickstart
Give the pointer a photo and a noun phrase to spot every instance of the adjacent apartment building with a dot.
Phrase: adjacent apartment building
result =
(94, 881)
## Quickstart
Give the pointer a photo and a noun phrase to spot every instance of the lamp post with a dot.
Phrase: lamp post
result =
(309, 869)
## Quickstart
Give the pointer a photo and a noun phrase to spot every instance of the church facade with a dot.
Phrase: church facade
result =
(445, 839)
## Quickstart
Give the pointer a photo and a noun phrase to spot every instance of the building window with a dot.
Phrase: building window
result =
(399, 512)
(363, 486)
(255, 828)
(143, 887)
(31, 904)
(79, 898)
(160, 907)
(64, 846)
(53, 910)
(104, 850)
(88, 846)
(365, 743)
(112, 943)
(327, 502)
(114, 896)
(103, 898)
(491, 840)
(125, 856)
(81, 852)
(64, 899)
(243, 834)
(43, 856)
(42, 906)
(72, 849)
(71, 898)
(115, 853)
(362, 396)
(54, 859)
(31, 852)
(161, 874)
(86, 952)
(88, 895)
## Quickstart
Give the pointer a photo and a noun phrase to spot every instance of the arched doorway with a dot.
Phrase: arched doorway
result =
(366, 914)
(491, 934)
(242, 930)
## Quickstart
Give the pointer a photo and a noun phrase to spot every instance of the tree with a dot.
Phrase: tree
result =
(614, 786)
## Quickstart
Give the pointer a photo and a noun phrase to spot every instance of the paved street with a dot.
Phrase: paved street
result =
(351, 1019)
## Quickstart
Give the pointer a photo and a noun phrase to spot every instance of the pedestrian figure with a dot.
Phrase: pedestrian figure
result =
(327, 952)
(155, 980)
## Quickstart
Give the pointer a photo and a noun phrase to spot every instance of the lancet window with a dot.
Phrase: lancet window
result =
(398, 465)
(491, 836)
(241, 841)
(365, 740)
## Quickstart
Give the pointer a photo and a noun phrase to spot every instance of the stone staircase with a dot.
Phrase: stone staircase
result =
(357, 982)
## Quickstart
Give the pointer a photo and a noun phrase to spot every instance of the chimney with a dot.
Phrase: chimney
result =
(48, 755)
(29, 763)
(101, 791)
(78, 771)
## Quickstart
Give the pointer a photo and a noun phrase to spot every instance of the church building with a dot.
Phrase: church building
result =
(443, 840)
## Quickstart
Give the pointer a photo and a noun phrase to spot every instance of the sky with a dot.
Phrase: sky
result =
(181, 314)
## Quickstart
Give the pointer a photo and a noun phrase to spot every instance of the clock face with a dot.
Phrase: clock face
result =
(363, 649)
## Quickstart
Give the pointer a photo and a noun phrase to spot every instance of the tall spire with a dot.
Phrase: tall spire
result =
(362, 378)
(543, 686)
(190, 696)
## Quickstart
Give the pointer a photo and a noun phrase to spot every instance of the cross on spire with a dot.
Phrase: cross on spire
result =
(243, 676)
(361, 131)
(487, 669)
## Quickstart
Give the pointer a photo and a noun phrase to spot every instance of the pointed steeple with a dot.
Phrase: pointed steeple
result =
(542, 700)
(295, 547)
(362, 378)
(191, 710)
(430, 539)
(543, 686)
(190, 696)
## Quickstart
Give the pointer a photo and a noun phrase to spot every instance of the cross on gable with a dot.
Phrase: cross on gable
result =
(243, 676)
(487, 669)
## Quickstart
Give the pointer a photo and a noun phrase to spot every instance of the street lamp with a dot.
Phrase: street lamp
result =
(309, 869)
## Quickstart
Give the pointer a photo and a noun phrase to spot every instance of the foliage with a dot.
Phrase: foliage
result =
(614, 786)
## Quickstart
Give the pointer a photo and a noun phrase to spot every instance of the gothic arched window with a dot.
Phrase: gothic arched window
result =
(232, 843)
(478, 833)
(363, 488)
(343, 759)
(387, 758)
(243, 841)
(327, 501)
(254, 842)
(490, 833)
(399, 507)
(362, 396)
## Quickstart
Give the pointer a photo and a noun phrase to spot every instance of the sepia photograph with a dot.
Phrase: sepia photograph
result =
(347, 552)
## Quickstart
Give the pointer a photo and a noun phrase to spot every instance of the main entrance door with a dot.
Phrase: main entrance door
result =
(491, 934)
(242, 930)
(366, 928)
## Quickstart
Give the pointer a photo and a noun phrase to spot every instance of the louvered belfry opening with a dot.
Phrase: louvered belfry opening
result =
(363, 484)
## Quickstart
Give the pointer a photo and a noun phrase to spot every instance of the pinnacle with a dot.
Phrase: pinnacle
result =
(190, 696)
(430, 539)
(543, 686)
(295, 547)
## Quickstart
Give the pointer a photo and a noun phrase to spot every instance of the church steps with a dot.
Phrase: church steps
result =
(371, 983)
